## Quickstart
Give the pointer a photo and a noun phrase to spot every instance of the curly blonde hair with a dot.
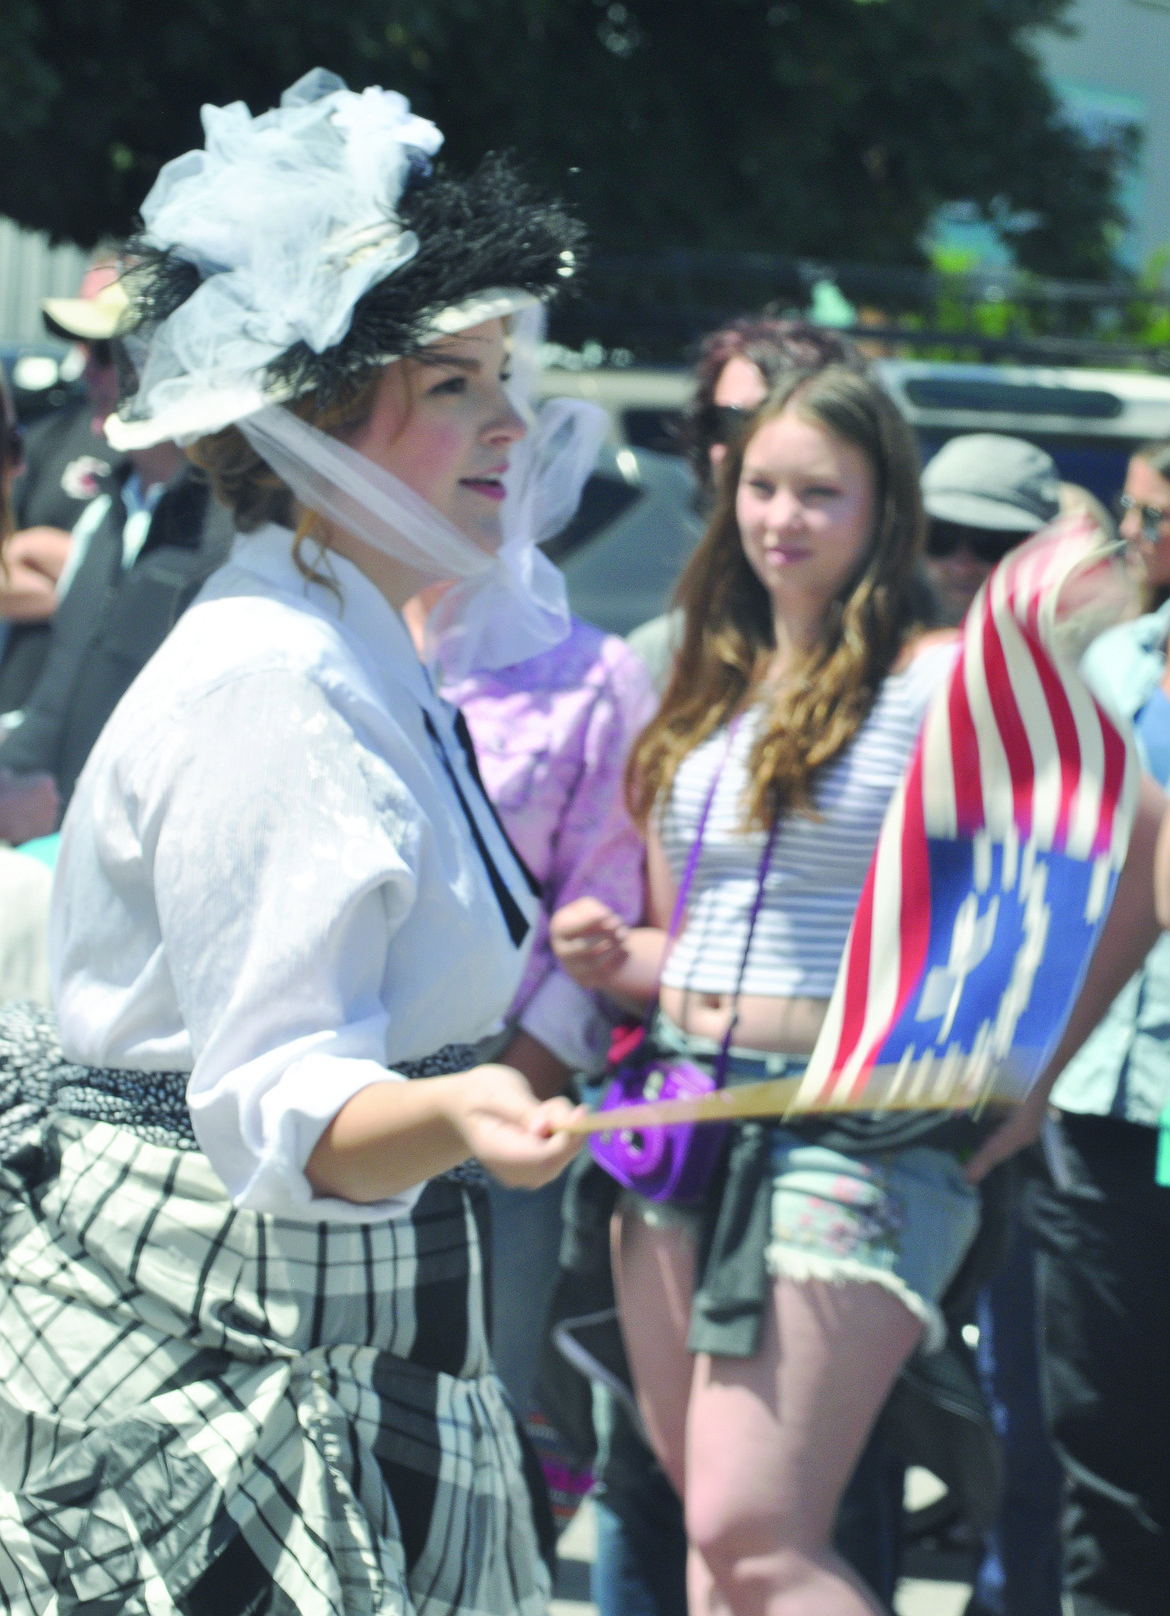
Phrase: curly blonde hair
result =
(728, 640)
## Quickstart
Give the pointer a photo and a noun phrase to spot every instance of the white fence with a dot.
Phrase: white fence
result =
(31, 269)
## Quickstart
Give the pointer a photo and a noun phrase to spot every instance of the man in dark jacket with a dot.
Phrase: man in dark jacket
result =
(66, 459)
(144, 562)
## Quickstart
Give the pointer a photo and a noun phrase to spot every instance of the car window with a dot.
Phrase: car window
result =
(1021, 398)
(603, 499)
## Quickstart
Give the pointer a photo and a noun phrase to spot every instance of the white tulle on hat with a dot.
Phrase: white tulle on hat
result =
(289, 218)
(286, 221)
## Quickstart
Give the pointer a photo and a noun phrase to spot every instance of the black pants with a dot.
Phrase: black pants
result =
(1103, 1243)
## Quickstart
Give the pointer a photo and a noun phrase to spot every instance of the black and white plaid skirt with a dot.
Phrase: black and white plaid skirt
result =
(213, 1412)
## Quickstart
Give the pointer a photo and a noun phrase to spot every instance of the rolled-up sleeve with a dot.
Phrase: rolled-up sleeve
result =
(276, 912)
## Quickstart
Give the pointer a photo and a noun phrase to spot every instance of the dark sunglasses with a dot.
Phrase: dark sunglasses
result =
(1152, 516)
(720, 423)
(101, 351)
(945, 538)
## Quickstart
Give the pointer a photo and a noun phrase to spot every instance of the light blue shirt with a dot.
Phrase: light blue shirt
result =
(1123, 1070)
(1153, 730)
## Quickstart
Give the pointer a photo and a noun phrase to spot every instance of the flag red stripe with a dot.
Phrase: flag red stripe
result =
(1010, 725)
(964, 757)
(914, 912)
(906, 930)
(915, 918)
(857, 974)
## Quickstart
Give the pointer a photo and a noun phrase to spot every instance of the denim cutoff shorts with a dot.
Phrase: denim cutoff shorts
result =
(904, 1219)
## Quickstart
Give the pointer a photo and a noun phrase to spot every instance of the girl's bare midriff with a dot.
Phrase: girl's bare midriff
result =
(789, 1026)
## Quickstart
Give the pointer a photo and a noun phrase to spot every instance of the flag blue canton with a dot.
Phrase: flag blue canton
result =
(1000, 915)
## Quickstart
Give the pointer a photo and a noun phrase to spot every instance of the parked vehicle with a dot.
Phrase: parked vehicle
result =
(1089, 421)
(42, 376)
(635, 527)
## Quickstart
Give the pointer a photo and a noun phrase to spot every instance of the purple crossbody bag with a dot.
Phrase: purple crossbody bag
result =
(673, 1163)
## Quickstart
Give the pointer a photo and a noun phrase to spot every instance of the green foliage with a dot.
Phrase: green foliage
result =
(825, 128)
(1130, 314)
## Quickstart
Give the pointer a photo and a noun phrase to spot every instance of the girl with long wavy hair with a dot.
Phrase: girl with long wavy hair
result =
(764, 1329)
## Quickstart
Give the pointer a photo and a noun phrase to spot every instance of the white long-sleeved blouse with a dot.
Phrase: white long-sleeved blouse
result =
(279, 873)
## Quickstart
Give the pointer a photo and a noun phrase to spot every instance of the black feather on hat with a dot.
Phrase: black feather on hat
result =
(489, 231)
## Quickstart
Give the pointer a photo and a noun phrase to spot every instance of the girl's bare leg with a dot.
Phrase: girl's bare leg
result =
(654, 1277)
(772, 1442)
(760, 1448)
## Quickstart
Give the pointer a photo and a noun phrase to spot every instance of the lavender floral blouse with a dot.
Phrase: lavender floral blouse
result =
(552, 735)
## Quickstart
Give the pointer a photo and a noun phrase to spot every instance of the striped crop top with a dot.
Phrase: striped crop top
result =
(818, 865)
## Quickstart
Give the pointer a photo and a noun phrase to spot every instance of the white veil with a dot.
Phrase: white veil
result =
(503, 608)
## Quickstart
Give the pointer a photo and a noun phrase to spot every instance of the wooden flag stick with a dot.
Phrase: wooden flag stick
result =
(884, 1090)
(772, 1099)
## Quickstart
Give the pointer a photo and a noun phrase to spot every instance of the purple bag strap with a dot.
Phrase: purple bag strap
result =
(692, 864)
(688, 875)
(684, 889)
(757, 905)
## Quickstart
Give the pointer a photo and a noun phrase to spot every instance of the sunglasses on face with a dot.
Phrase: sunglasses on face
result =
(720, 423)
(946, 538)
(1152, 516)
(101, 352)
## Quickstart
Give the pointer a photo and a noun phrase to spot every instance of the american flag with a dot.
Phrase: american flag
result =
(998, 857)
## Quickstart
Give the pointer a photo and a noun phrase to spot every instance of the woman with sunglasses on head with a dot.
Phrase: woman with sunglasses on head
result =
(765, 1331)
(737, 366)
(1102, 1224)
(242, 1323)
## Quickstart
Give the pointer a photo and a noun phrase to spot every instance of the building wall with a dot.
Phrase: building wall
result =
(1119, 56)
(31, 269)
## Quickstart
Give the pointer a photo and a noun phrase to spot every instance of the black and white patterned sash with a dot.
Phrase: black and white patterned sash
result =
(36, 1078)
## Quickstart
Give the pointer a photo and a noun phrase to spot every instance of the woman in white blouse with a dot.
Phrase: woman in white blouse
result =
(242, 1334)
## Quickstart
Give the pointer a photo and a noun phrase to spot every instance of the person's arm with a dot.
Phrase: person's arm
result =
(390, 1136)
(1141, 900)
(28, 806)
(600, 951)
(1162, 874)
(33, 561)
(283, 957)
(545, 1073)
